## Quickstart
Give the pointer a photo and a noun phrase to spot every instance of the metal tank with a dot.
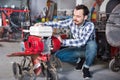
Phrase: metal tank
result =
(112, 32)
(113, 19)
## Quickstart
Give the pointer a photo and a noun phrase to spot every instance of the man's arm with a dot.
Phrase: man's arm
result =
(82, 39)
(59, 24)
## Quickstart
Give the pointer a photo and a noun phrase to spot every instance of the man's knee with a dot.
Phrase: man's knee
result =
(92, 45)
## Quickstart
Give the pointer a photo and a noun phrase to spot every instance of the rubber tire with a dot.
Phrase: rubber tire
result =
(52, 74)
(113, 67)
(17, 71)
(56, 62)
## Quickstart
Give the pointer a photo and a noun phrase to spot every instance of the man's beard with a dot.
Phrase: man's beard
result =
(77, 22)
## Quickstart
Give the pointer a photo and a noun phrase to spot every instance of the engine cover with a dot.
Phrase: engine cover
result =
(42, 31)
(34, 44)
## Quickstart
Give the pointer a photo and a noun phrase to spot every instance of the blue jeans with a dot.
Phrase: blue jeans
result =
(71, 54)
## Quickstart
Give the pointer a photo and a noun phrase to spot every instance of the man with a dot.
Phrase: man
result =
(82, 47)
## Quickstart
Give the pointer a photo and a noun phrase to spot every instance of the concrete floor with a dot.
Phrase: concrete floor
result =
(99, 69)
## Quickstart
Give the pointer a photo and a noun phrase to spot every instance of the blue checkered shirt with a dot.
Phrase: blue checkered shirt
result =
(81, 34)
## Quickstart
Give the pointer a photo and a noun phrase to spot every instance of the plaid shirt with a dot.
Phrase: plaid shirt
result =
(81, 34)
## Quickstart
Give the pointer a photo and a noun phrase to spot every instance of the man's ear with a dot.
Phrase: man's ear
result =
(85, 17)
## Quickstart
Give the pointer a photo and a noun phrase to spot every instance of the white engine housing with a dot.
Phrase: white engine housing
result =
(41, 31)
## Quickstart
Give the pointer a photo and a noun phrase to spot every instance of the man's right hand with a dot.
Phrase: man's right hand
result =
(59, 38)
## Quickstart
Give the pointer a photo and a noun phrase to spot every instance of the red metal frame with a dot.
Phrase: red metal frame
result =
(8, 12)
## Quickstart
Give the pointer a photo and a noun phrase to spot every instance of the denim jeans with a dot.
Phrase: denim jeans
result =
(72, 54)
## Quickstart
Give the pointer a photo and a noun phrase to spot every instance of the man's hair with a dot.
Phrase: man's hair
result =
(85, 9)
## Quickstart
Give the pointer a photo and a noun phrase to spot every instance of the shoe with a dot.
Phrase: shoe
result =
(80, 64)
(86, 73)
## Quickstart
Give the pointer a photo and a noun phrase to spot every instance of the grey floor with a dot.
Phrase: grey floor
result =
(99, 69)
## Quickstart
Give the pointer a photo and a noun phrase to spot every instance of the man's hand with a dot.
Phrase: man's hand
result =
(59, 38)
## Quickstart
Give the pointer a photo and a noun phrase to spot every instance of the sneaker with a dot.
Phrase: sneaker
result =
(86, 73)
(80, 64)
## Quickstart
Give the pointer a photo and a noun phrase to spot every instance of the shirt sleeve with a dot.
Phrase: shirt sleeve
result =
(83, 38)
(59, 24)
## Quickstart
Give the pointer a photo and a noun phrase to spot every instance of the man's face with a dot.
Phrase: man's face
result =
(78, 17)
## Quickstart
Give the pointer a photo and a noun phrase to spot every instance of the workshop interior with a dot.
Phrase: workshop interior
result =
(21, 15)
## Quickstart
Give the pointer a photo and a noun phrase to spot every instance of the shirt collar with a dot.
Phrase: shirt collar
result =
(82, 25)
